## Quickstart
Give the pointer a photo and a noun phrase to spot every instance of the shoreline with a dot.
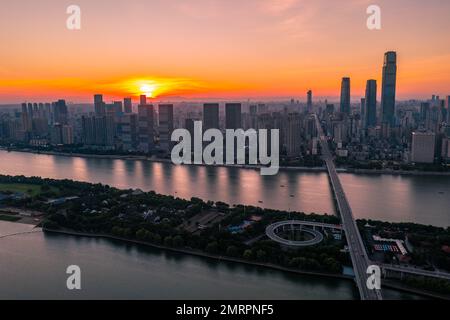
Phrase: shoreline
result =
(390, 284)
(156, 160)
(250, 167)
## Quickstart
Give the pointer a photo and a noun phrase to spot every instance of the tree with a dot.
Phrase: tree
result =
(168, 242)
(142, 234)
(261, 255)
(178, 241)
(232, 251)
(212, 247)
(248, 254)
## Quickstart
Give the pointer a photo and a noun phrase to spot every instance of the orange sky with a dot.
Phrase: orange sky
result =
(218, 48)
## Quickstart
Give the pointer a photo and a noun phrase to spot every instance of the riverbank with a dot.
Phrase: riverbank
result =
(155, 159)
(197, 253)
(251, 167)
(386, 283)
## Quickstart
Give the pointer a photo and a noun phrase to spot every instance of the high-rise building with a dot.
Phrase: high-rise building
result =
(118, 108)
(424, 110)
(388, 89)
(233, 117)
(67, 134)
(129, 132)
(330, 108)
(293, 135)
(448, 109)
(145, 127)
(423, 147)
(60, 112)
(345, 96)
(56, 134)
(128, 105)
(363, 112)
(210, 116)
(445, 149)
(98, 131)
(142, 99)
(26, 119)
(165, 126)
(99, 105)
(309, 101)
(370, 119)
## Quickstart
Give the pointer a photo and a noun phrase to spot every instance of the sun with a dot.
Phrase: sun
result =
(148, 90)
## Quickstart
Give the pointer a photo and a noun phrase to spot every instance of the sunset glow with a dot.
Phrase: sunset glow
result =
(207, 49)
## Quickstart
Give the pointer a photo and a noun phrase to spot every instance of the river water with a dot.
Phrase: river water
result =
(420, 199)
(32, 266)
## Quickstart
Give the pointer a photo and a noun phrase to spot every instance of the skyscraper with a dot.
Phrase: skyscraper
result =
(309, 101)
(371, 104)
(363, 112)
(99, 105)
(142, 99)
(233, 118)
(424, 110)
(60, 111)
(345, 96)
(165, 126)
(129, 132)
(388, 89)
(210, 116)
(145, 126)
(293, 135)
(448, 109)
(128, 105)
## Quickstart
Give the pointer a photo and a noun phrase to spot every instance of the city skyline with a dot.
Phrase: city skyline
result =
(204, 51)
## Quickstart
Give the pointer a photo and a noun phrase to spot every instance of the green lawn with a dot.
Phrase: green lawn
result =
(30, 189)
(9, 218)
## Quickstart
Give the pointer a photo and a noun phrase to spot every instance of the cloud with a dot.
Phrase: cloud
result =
(278, 6)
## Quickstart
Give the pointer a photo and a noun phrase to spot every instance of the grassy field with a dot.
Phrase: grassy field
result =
(9, 218)
(30, 189)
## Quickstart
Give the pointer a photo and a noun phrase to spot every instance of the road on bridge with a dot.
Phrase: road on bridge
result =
(356, 246)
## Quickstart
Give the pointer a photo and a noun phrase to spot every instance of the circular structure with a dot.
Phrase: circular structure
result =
(272, 230)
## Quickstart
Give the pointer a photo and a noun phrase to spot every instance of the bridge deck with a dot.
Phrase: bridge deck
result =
(356, 246)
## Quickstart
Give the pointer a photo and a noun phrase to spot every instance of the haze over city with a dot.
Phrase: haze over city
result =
(209, 49)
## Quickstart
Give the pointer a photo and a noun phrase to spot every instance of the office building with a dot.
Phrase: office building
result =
(293, 135)
(165, 126)
(128, 105)
(388, 89)
(129, 132)
(423, 147)
(99, 105)
(345, 96)
(210, 116)
(60, 112)
(146, 117)
(233, 117)
(370, 102)
(309, 101)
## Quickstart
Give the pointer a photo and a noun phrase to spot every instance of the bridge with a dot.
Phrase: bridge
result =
(415, 271)
(358, 254)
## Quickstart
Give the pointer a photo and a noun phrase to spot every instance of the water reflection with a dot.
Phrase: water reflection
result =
(420, 199)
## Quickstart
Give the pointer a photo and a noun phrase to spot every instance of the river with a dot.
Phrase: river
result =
(420, 199)
(33, 266)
